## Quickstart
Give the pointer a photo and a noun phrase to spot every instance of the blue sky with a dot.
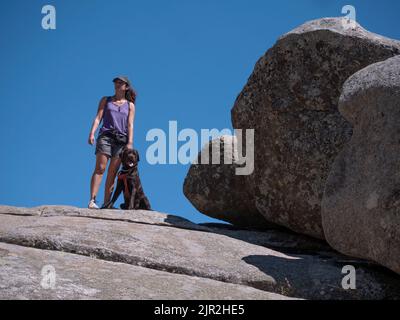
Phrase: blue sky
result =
(187, 59)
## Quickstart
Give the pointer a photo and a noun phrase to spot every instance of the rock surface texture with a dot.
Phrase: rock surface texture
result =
(217, 191)
(361, 204)
(291, 100)
(114, 254)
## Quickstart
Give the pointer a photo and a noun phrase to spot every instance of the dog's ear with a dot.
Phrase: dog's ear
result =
(136, 154)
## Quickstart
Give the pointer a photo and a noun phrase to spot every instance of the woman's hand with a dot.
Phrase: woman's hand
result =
(129, 146)
(91, 139)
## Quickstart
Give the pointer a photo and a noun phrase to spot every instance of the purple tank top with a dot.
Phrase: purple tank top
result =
(115, 117)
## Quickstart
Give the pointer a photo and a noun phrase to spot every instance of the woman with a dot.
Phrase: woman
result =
(117, 113)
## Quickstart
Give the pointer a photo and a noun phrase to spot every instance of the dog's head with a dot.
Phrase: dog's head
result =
(129, 157)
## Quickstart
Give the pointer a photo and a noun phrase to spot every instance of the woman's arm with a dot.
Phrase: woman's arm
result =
(131, 118)
(97, 119)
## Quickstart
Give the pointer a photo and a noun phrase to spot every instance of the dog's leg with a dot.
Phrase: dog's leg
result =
(142, 201)
(132, 197)
(118, 190)
(145, 204)
(127, 197)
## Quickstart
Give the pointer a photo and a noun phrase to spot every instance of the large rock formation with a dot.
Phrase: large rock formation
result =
(361, 204)
(113, 254)
(217, 191)
(291, 101)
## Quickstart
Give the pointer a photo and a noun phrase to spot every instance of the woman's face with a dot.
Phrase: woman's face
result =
(120, 85)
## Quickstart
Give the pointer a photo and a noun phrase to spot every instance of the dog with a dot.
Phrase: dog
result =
(129, 182)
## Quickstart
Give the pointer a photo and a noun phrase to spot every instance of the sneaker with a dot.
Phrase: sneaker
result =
(93, 205)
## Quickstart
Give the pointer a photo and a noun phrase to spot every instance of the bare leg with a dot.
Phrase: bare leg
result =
(111, 174)
(101, 164)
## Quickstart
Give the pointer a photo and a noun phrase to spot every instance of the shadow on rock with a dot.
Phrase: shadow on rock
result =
(320, 277)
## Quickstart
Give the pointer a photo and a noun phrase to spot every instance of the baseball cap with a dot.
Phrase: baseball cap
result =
(124, 79)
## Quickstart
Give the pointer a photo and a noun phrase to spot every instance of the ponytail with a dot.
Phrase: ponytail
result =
(130, 94)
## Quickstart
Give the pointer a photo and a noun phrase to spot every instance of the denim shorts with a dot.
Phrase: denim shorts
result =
(108, 145)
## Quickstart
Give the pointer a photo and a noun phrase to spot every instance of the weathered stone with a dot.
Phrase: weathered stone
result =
(361, 204)
(227, 257)
(274, 238)
(80, 277)
(141, 216)
(291, 101)
(218, 191)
